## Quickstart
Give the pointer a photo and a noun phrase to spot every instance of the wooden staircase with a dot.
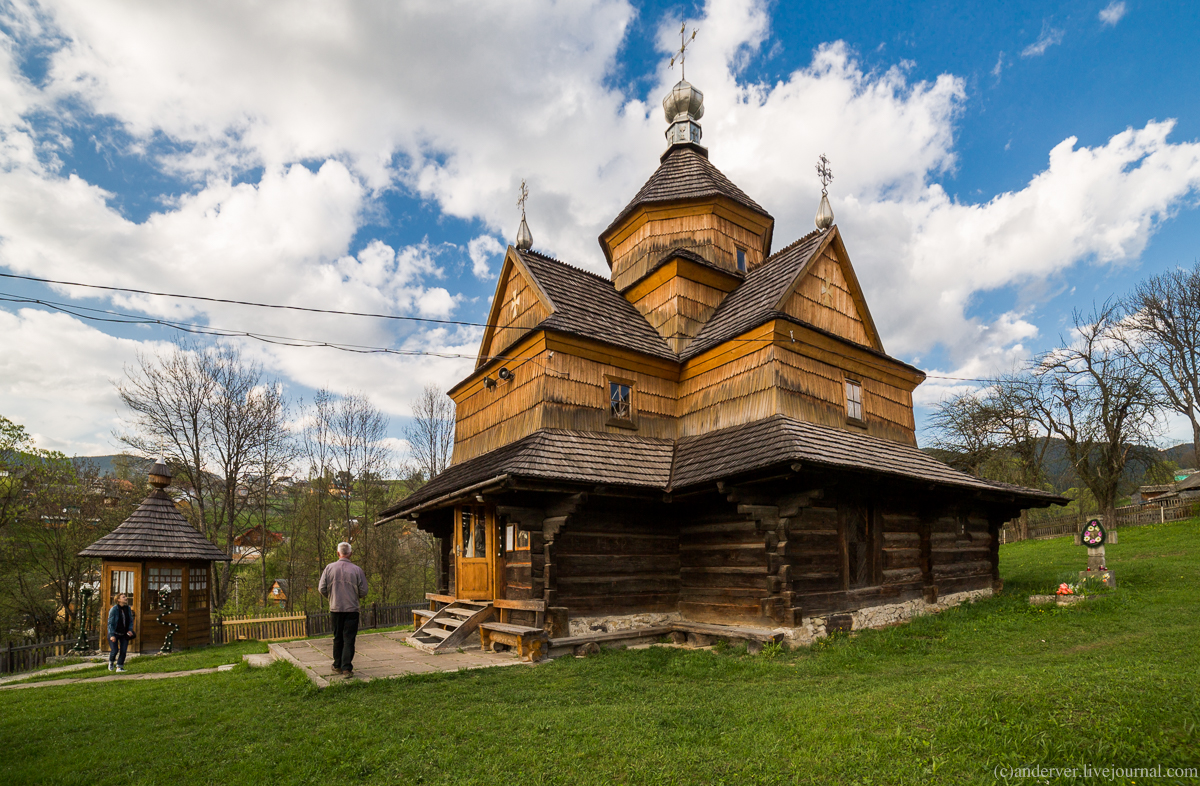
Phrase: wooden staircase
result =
(450, 626)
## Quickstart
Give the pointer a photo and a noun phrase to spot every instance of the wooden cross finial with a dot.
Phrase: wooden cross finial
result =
(824, 173)
(682, 53)
(523, 195)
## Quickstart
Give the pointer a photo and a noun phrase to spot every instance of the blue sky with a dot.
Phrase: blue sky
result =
(366, 157)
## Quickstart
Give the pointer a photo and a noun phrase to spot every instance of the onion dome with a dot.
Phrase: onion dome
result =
(824, 217)
(683, 106)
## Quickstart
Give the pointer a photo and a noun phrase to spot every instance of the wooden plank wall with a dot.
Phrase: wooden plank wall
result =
(615, 557)
(960, 548)
(713, 237)
(814, 391)
(723, 568)
(523, 575)
(678, 309)
(489, 418)
(576, 397)
(823, 300)
(729, 393)
(520, 310)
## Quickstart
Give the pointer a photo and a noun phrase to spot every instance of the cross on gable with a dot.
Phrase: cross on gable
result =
(824, 173)
(682, 53)
(523, 194)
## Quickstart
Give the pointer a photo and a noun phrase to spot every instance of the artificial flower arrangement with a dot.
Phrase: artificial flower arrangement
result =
(1065, 589)
(1093, 534)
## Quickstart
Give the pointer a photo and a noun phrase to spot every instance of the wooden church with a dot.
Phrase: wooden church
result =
(712, 434)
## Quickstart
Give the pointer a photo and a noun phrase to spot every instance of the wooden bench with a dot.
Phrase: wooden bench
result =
(531, 642)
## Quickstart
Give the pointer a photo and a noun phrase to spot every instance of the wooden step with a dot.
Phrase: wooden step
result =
(449, 622)
(464, 613)
(441, 633)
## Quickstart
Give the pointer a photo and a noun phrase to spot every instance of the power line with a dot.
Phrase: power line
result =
(249, 302)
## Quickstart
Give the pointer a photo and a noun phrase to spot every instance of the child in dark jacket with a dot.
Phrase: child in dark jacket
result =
(120, 631)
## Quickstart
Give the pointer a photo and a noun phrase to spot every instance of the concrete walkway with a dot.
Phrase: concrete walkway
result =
(152, 675)
(382, 655)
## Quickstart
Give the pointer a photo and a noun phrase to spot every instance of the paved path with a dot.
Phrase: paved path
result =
(150, 675)
(380, 655)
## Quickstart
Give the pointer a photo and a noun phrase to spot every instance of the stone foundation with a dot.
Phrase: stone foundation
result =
(583, 626)
(813, 628)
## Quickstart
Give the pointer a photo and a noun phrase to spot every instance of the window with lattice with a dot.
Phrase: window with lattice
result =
(157, 578)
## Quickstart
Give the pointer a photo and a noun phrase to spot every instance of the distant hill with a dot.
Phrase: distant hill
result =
(105, 464)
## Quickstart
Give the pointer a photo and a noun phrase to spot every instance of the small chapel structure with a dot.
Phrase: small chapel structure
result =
(713, 433)
(156, 547)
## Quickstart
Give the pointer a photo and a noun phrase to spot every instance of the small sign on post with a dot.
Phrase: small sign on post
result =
(1095, 536)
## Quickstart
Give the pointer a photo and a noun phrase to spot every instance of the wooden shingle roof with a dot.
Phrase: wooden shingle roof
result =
(667, 465)
(685, 173)
(780, 440)
(587, 305)
(552, 454)
(156, 530)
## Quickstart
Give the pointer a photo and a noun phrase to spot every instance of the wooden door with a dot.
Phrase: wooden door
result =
(121, 577)
(474, 553)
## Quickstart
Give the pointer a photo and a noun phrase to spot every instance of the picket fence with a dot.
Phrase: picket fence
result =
(290, 625)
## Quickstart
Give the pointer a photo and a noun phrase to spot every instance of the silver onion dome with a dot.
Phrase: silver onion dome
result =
(824, 217)
(683, 102)
(524, 236)
(683, 106)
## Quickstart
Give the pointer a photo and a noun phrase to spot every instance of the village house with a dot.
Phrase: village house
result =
(713, 434)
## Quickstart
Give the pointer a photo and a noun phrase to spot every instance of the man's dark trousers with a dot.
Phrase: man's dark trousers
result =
(345, 629)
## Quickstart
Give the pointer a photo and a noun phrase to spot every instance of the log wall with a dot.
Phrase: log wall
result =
(724, 568)
(616, 557)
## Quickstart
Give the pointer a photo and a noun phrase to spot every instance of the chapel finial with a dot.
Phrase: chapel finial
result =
(824, 218)
(684, 105)
(524, 236)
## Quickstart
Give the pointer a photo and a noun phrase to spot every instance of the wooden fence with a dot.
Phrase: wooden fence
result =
(284, 625)
(1127, 516)
(30, 654)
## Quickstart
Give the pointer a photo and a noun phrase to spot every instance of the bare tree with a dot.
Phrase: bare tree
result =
(1093, 395)
(965, 431)
(210, 411)
(1164, 335)
(168, 397)
(431, 435)
(274, 454)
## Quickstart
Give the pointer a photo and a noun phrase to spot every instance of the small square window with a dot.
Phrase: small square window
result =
(741, 260)
(619, 400)
(854, 407)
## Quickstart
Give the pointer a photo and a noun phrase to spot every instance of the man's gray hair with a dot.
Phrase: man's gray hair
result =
(344, 549)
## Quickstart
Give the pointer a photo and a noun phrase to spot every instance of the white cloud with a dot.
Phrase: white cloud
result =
(55, 378)
(482, 249)
(1051, 36)
(999, 67)
(1112, 13)
(339, 103)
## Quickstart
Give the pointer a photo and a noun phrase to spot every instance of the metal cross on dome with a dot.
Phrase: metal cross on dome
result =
(824, 173)
(682, 53)
(523, 195)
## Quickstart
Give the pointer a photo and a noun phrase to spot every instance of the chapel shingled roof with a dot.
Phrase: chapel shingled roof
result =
(668, 465)
(581, 456)
(156, 530)
(685, 173)
(587, 305)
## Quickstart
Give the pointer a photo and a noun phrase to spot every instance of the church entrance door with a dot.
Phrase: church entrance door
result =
(475, 552)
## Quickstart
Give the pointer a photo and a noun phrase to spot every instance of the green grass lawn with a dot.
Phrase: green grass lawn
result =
(944, 699)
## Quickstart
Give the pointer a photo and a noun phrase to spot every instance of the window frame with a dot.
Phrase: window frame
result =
(741, 262)
(860, 418)
(629, 422)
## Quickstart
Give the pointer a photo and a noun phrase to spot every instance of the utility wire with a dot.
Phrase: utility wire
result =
(74, 310)
(248, 302)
